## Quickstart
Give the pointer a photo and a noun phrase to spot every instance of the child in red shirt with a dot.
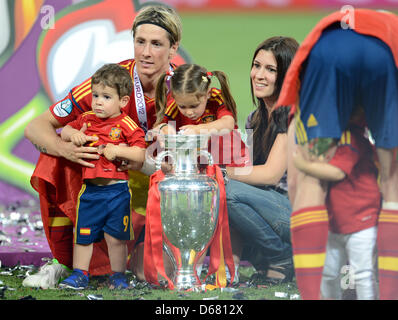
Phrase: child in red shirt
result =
(354, 28)
(353, 203)
(103, 206)
(201, 109)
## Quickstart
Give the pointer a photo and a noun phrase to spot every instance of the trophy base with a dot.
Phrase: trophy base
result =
(186, 280)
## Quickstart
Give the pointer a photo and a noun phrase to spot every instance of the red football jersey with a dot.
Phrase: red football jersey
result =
(79, 100)
(354, 203)
(121, 129)
(227, 149)
(215, 109)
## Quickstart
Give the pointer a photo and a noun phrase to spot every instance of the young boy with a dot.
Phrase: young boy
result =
(103, 206)
(353, 203)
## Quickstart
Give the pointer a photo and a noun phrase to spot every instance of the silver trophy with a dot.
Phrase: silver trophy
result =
(189, 202)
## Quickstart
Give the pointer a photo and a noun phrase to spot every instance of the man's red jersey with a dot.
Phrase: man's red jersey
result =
(121, 129)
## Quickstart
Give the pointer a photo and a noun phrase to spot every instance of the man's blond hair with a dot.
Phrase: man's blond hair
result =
(162, 16)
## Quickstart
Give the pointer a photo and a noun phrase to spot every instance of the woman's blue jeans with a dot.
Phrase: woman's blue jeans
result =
(262, 219)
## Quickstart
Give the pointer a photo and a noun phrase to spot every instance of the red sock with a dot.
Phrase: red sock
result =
(387, 246)
(309, 230)
(61, 237)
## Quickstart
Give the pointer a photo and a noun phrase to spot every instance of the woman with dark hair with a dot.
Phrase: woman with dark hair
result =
(258, 205)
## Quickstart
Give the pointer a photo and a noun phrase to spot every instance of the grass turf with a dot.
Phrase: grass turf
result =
(11, 289)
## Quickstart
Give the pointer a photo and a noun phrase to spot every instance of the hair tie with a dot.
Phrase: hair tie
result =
(161, 25)
(209, 74)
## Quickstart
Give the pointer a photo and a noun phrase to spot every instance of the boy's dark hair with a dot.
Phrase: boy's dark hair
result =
(114, 76)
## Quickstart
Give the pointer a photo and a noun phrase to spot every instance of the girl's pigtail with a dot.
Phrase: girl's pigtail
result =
(226, 92)
(160, 98)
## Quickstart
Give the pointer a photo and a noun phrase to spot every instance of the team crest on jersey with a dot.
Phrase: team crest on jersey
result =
(115, 133)
(208, 118)
(63, 108)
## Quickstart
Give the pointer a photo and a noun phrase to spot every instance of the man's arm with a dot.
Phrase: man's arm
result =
(41, 131)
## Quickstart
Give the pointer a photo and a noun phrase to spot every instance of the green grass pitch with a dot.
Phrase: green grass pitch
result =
(226, 42)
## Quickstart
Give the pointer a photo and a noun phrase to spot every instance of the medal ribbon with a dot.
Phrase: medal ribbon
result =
(140, 100)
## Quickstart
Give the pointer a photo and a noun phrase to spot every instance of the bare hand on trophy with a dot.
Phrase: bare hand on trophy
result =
(167, 168)
(188, 129)
(157, 134)
(162, 129)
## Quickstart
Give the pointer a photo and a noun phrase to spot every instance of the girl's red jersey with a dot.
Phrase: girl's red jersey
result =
(226, 149)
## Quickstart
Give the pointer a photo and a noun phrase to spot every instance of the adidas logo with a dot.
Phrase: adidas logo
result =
(311, 122)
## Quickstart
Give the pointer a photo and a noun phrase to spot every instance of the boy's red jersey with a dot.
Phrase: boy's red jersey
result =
(354, 203)
(121, 129)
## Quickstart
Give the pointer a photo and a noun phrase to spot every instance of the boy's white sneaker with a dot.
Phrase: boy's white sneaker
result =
(48, 276)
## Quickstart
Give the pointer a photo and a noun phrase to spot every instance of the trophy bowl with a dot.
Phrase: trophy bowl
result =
(185, 142)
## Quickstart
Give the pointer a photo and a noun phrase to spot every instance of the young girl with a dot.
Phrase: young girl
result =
(200, 108)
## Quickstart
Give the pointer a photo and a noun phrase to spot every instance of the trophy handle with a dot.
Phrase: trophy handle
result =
(160, 158)
(208, 155)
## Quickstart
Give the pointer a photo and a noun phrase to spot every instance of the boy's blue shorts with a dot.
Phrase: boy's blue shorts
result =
(103, 209)
(345, 70)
